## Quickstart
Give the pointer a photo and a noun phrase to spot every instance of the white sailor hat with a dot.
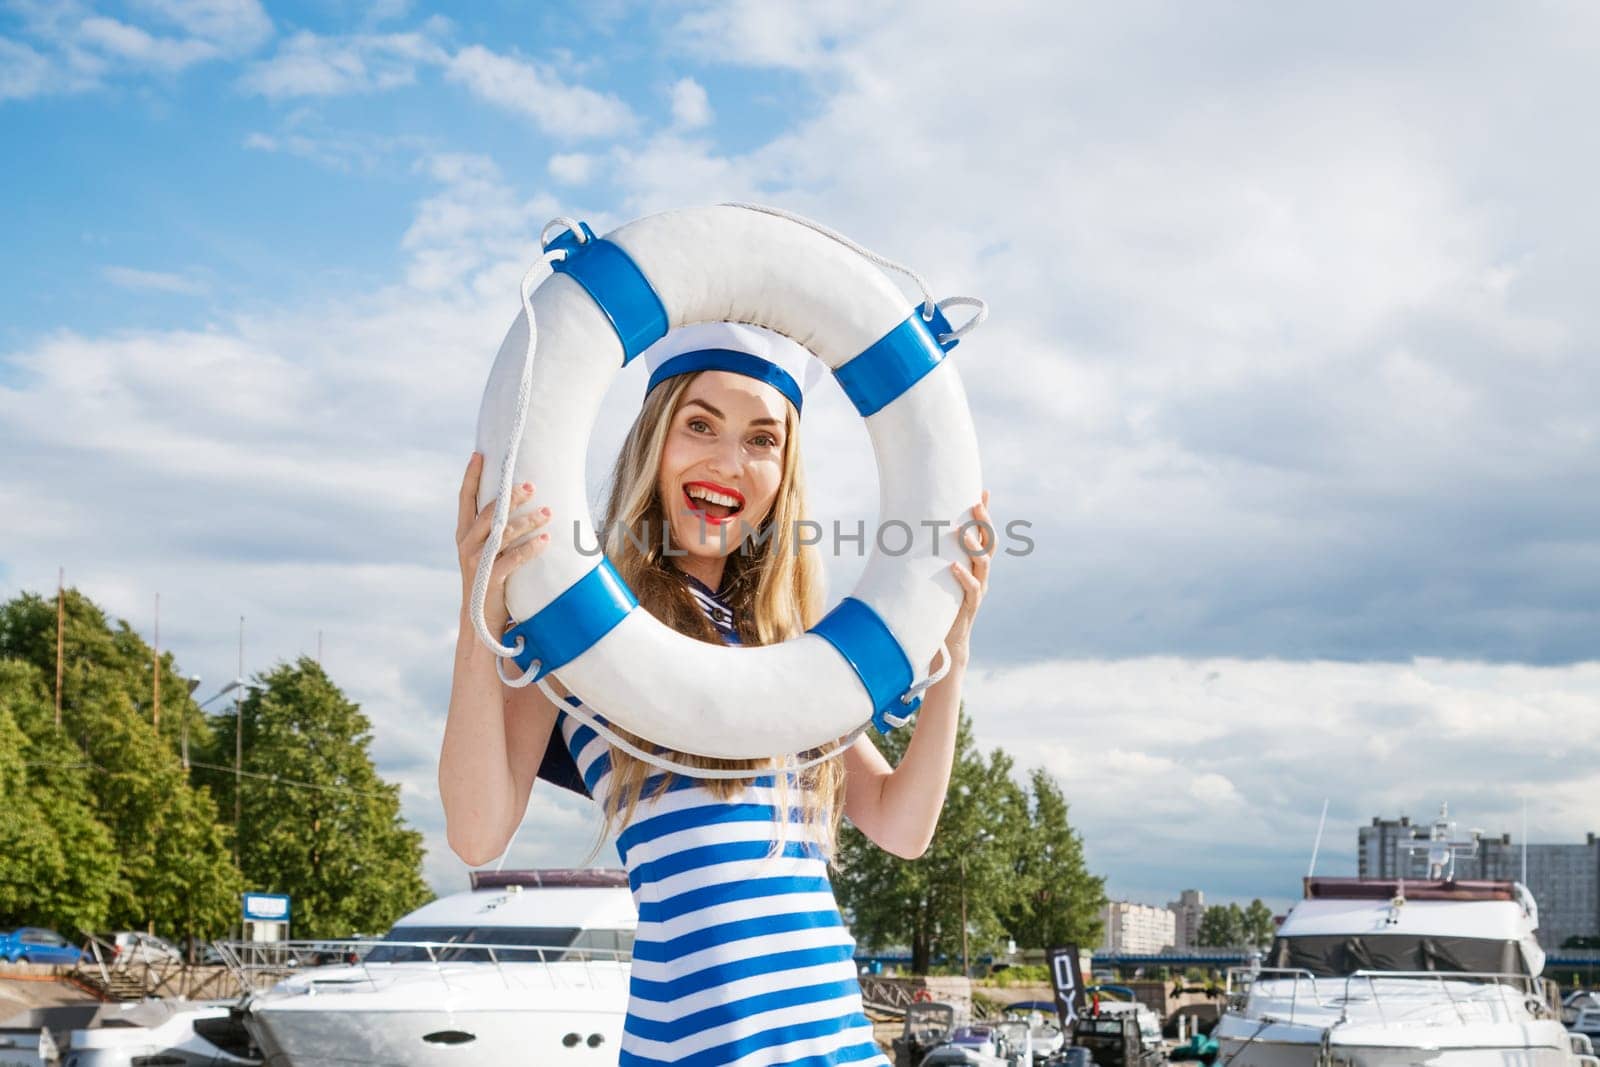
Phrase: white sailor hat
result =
(738, 347)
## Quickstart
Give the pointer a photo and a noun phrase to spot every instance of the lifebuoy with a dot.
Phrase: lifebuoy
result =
(608, 299)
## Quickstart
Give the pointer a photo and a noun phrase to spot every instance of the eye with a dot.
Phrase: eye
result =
(765, 440)
(699, 425)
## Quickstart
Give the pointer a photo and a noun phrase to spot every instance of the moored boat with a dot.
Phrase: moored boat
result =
(1385, 973)
(527, 967)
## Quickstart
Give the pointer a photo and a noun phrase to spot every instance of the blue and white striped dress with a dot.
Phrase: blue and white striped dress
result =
(741, 956)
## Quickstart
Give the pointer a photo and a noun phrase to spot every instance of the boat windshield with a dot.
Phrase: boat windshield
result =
(540, 940)
(1334, 956)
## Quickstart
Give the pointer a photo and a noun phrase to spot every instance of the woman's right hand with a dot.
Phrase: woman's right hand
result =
(472, 534)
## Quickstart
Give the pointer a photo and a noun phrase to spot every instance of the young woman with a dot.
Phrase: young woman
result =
(740, 956)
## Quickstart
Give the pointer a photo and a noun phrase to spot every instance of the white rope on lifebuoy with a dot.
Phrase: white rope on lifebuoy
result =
(502, 498)
(615, 295)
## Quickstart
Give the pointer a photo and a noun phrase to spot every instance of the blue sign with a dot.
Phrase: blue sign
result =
(266, 907)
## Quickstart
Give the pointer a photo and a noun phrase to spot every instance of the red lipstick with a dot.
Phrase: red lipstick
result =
(696, 507)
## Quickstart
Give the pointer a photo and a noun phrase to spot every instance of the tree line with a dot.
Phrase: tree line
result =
(1230, 926)
(1003, 855)
(105, 826)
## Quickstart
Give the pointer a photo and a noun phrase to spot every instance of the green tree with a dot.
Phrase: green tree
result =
(1223, 926)
(1259, 927)
(1015, 863)
(317, 822)
(983, 860)
(1063, 900)
(57, 863)
(173, 869)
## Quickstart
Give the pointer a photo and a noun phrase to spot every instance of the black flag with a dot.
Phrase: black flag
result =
(1066, 975)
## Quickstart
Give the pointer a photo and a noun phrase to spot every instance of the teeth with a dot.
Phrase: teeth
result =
(711, 497)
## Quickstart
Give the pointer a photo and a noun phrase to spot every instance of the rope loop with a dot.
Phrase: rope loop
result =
(931, 680)
(563, 220)
(978, 316)
(521, 681)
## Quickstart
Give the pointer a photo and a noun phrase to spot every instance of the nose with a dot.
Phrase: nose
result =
(726, 457)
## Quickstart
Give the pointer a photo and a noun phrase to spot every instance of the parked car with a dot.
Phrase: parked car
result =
(1587, 1023)
(30, 944)
(132, 946)
(1577, 1001)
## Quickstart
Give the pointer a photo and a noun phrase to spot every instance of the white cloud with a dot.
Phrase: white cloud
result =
(155, 281)
(535, 90)
(235, 26)
(1217, 768)
(313, 65)
(1267, 331)
(571, 168)
(691, 109)
(73, 49)
(344, 151)
(792, 35)
(388, 10)
(473, 225)
(23, 72)
(308, 64)
(133, 45)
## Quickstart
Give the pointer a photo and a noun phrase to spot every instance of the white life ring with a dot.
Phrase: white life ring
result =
(608, 299)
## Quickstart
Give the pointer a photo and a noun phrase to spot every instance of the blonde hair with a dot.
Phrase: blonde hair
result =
(771, 581)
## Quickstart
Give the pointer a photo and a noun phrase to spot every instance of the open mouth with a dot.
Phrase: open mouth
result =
(716, 504)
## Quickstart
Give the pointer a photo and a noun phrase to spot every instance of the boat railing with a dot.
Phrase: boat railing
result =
(258, 965)
(1510, 988)
(1241, 980)
(1531, 991)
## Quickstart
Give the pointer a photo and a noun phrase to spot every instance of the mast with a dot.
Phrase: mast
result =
(155, 673)
(1317, 845)
(61, 625)
(1524, 878)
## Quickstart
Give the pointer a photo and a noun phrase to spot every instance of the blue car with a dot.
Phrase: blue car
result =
(30, 944)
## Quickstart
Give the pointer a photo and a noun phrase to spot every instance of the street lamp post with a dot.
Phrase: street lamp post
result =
(983, 838)
(237, 688)
(966, 965)
(193, 682)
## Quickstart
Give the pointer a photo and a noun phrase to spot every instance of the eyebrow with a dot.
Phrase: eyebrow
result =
(765, 420)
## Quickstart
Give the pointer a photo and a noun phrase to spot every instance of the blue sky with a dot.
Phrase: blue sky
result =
(192, 173)
(1291, 361)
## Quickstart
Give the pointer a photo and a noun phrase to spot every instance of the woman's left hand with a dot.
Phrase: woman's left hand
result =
(973, 576)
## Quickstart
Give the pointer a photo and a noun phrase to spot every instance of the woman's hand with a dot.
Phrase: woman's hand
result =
(973, 575)
(898, 807)
(472, 533)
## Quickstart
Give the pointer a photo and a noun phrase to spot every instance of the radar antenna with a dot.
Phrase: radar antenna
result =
(1442, 848)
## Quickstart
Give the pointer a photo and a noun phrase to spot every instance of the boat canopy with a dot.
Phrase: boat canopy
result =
(1337, 955)
(1411, 889)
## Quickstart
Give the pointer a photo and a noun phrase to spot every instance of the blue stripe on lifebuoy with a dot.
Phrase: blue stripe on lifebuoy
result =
(895, 362)
(616, 284)
(865, 642)
(569, 625)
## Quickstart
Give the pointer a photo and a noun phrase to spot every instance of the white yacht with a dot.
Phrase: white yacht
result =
(1370, 973)
(527, 967)
(179, 1033)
